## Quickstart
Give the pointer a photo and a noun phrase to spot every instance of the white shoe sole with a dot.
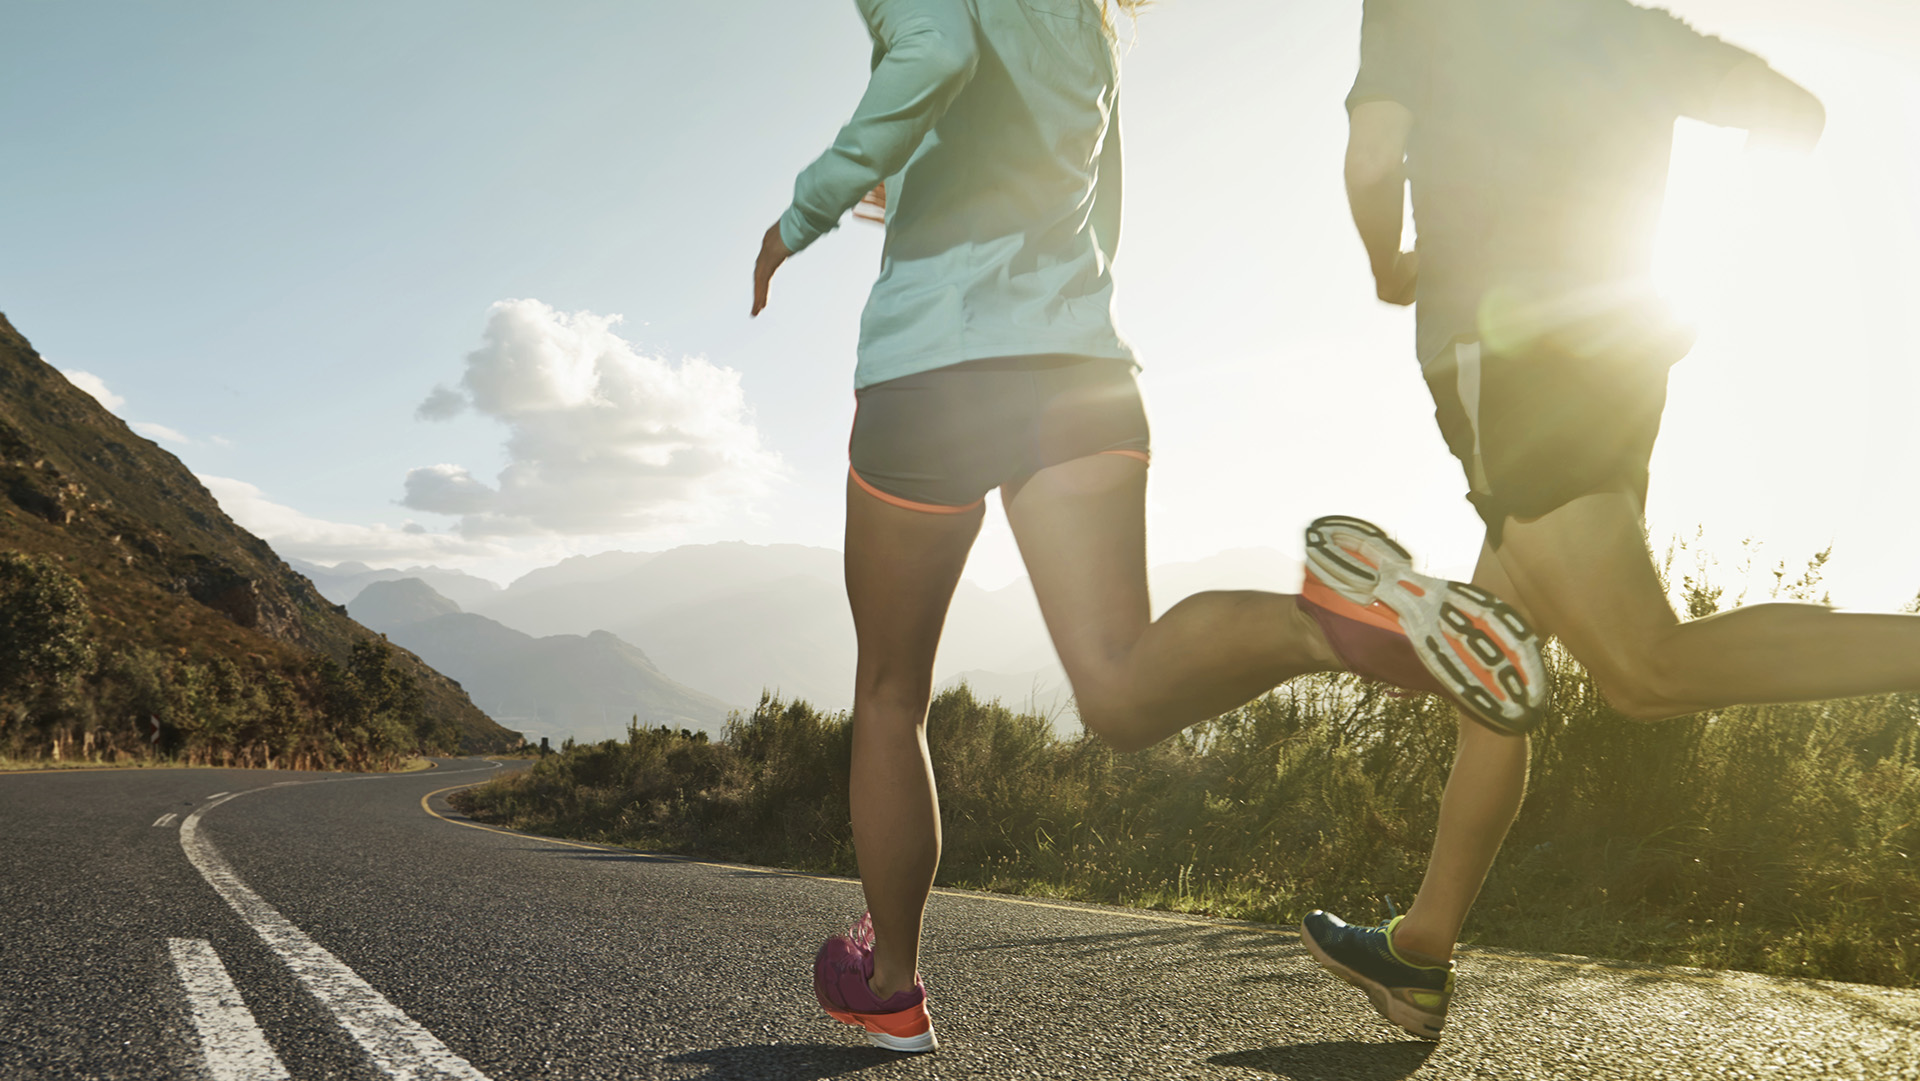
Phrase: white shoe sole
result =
(1455, 628)
(926, 1041)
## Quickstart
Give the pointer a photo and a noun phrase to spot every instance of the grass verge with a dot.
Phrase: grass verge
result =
(1775, 840)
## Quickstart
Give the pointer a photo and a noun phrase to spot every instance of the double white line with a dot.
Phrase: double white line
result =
(396, 1043)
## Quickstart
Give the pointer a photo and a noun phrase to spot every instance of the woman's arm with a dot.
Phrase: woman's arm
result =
(928, 53)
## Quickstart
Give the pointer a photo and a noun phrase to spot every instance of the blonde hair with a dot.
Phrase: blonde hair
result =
(1131, 8)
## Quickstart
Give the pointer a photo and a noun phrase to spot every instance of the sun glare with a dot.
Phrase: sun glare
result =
(1793, 268)
(1739, 224)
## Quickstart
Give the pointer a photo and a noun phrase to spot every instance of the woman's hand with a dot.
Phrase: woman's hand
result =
(773, 252)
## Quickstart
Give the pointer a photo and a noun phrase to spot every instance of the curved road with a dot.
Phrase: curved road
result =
(233, 923)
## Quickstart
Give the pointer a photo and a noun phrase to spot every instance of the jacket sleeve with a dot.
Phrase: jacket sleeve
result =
(926, 52)
(1106, 189)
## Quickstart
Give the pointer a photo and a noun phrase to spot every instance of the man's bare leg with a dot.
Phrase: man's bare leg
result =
(1584, 573)
(902, 567)
(1483, 795)
(1081, 530)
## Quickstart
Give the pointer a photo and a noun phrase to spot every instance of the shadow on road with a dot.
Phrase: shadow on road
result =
(787, 1061)
(1333, 1060)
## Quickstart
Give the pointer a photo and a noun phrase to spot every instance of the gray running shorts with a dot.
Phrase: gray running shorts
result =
(940, 440)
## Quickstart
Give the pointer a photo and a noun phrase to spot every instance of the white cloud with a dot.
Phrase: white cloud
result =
(95, 386)
(443, 404)
(292, 533)
(159, 432)
(447, 489)
(602, 439)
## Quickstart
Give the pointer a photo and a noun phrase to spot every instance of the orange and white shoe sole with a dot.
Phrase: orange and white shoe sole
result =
(909, 1030)
(1471, 641)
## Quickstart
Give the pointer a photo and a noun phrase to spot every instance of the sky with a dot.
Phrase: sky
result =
(466, 283)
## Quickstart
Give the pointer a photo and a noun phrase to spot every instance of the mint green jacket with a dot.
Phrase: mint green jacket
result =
(995, 124)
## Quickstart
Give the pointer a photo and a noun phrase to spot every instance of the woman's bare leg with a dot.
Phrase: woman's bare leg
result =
(1081, 527)
(901, 567)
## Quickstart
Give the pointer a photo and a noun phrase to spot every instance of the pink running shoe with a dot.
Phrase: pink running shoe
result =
(840, 974)
(1388, 622)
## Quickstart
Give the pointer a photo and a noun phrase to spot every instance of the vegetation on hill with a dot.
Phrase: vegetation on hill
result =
(128, 597)
(1780, 839)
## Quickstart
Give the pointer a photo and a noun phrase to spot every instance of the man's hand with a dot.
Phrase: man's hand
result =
(773, 252)
(1395, 283)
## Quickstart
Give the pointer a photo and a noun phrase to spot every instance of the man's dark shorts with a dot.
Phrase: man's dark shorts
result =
(940, 440)
(1537, 430)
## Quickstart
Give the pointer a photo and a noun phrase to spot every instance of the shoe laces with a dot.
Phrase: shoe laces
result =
(861, 933)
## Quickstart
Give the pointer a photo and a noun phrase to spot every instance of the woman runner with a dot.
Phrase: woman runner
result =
(988, 359)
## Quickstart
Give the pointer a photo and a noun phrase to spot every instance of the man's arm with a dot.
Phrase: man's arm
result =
(1376, 177)
(1774, 109)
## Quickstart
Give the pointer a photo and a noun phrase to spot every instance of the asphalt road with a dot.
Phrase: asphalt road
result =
(232, 923)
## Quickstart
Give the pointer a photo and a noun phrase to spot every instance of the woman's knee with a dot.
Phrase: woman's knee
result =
(901, 696)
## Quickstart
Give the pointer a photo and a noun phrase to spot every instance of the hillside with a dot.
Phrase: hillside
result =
(168, 579)
(585, 687)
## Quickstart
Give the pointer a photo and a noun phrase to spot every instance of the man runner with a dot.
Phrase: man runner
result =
(1536, 135)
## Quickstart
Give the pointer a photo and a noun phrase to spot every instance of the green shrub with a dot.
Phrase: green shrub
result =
(1779, 839)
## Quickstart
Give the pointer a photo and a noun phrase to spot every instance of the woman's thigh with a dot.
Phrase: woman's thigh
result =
(1081, 527)
(901, 568)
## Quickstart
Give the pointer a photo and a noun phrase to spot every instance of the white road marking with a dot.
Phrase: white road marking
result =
(396, 1043)
(166, 819)
(217, 795)
(232, 1047)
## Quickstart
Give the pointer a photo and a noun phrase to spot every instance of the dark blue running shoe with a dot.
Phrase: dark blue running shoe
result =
(1412, 996)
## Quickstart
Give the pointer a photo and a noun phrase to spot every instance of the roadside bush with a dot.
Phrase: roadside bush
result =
(1777, 839)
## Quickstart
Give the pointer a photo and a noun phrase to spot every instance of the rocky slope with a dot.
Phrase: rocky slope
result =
(162, 566)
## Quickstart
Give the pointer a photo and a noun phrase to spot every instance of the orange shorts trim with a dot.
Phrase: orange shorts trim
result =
(1139, 455)
(924, 508)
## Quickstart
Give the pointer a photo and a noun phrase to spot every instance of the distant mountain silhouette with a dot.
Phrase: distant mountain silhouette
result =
(163, 568)
(614, 590)
(343, 582)
(389, 604)
(586, 687)
(733, 619)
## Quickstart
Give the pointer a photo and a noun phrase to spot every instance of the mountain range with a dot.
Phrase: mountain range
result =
(587, 687)
(727, 621)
